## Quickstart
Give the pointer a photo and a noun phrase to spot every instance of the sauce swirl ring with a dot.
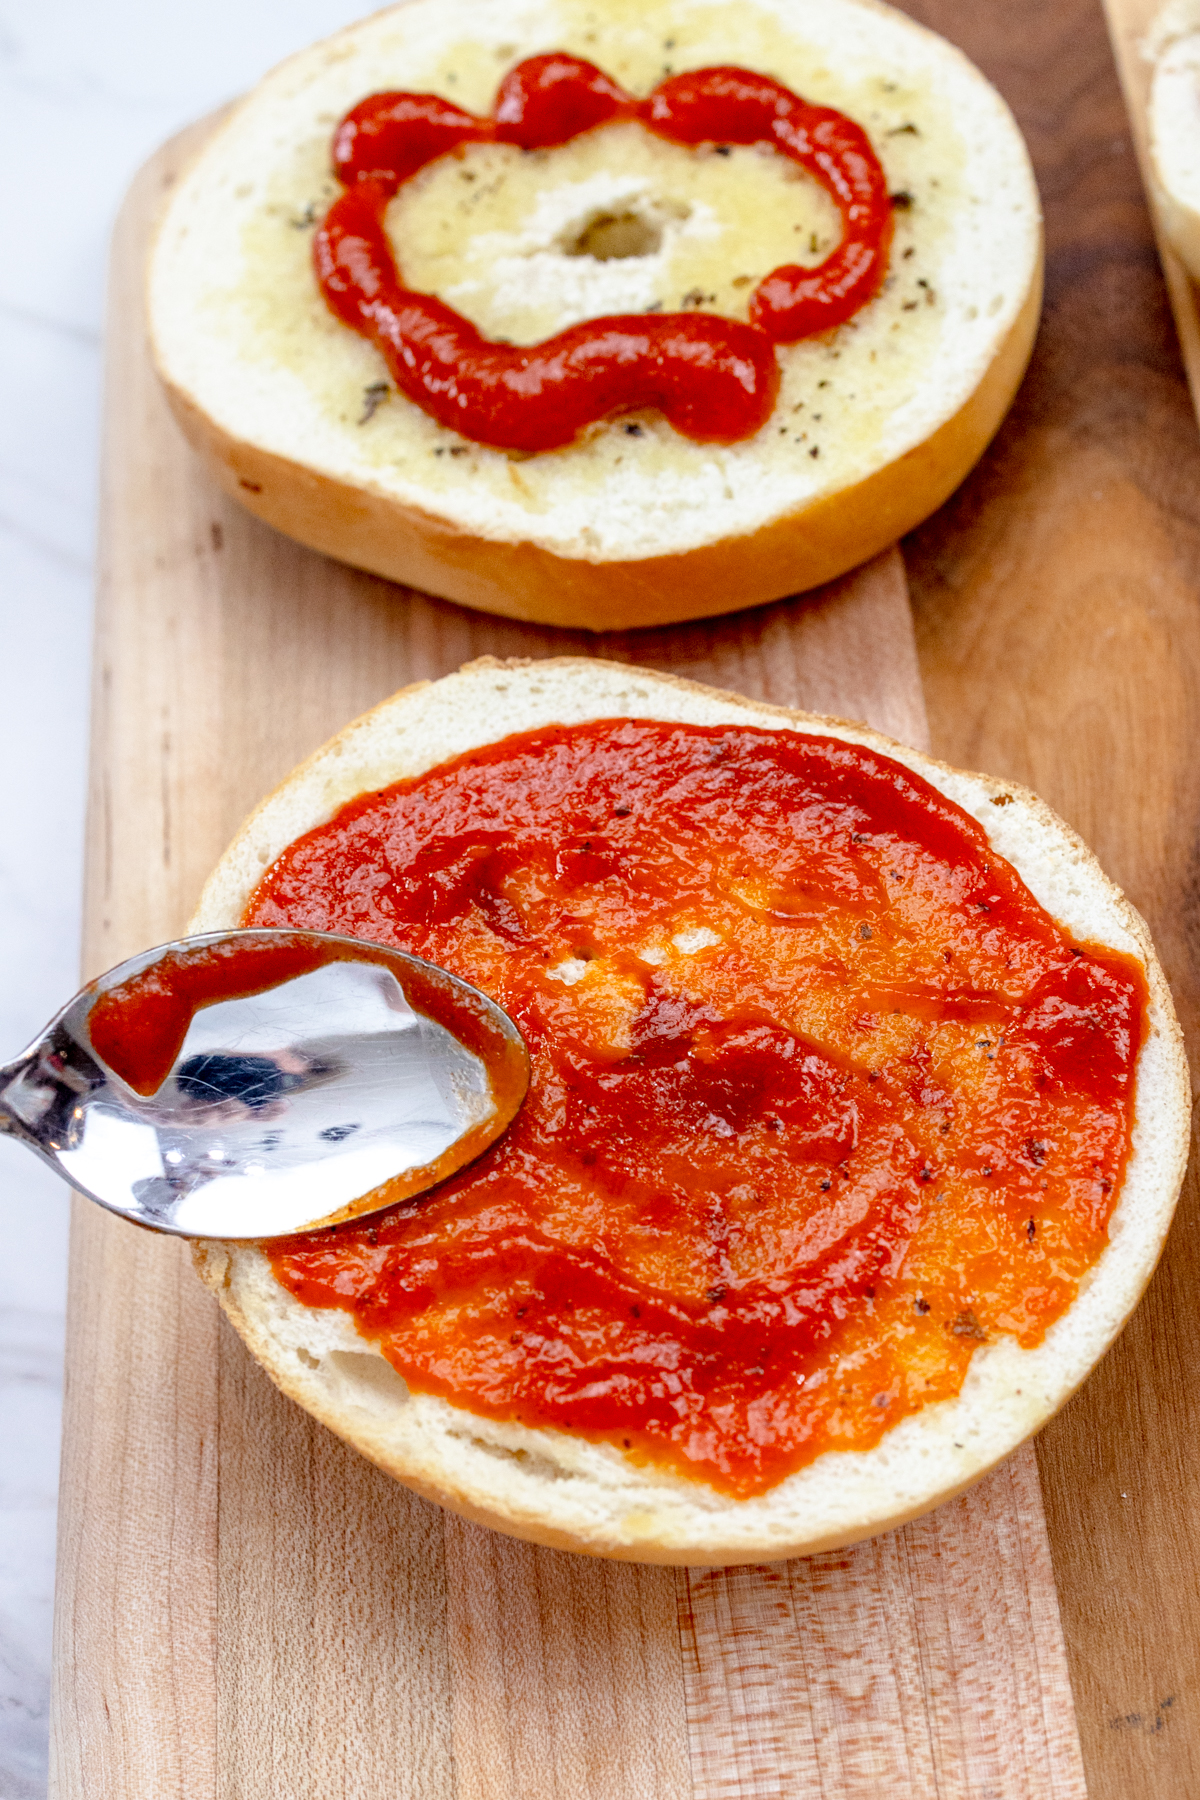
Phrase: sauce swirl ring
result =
(714, 379)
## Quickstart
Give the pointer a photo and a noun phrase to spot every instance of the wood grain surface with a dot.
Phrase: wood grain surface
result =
(246, 1610)
(1057, 605)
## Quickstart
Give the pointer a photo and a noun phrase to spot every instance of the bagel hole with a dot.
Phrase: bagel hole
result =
(613, 236)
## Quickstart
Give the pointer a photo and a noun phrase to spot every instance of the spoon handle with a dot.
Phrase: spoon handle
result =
(20, 1100)
(41, 1089)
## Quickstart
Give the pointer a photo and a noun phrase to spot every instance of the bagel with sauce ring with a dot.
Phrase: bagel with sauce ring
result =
(601, 317)
(858, 1115)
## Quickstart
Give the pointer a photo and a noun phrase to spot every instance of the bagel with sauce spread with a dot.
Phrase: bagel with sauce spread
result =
(319, 333)
(858, 1114)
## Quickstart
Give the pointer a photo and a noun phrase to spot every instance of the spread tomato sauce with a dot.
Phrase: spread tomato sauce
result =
(822, 1099)
(714, 379)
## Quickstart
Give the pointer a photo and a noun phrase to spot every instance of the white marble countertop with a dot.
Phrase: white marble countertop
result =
(87, 90)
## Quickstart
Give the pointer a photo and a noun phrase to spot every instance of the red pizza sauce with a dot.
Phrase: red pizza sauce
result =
(822, 1099)
(713, 379)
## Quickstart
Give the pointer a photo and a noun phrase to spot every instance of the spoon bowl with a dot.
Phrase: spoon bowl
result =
(251, 1084)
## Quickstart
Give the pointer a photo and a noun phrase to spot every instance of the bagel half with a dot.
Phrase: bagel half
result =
(555, 1488)
(632, 524)
(1173, 47)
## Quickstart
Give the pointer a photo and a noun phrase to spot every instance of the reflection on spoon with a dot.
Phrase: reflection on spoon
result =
(254, 1083)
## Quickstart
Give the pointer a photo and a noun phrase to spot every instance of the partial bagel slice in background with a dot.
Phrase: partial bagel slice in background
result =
(1173, 47)
(632, 524)
(551, 1486)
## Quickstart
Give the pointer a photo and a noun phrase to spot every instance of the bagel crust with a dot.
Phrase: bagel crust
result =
(632, 524)
(548, 1485)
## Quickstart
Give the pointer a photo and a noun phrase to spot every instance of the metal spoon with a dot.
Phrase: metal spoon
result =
(319, 1098)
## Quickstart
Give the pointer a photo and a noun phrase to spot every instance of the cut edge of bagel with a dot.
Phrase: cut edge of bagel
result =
(550, 1486)
(364, 526)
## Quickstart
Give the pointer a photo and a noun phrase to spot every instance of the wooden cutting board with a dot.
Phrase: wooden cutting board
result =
(246, 1610)
(1057, 608)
